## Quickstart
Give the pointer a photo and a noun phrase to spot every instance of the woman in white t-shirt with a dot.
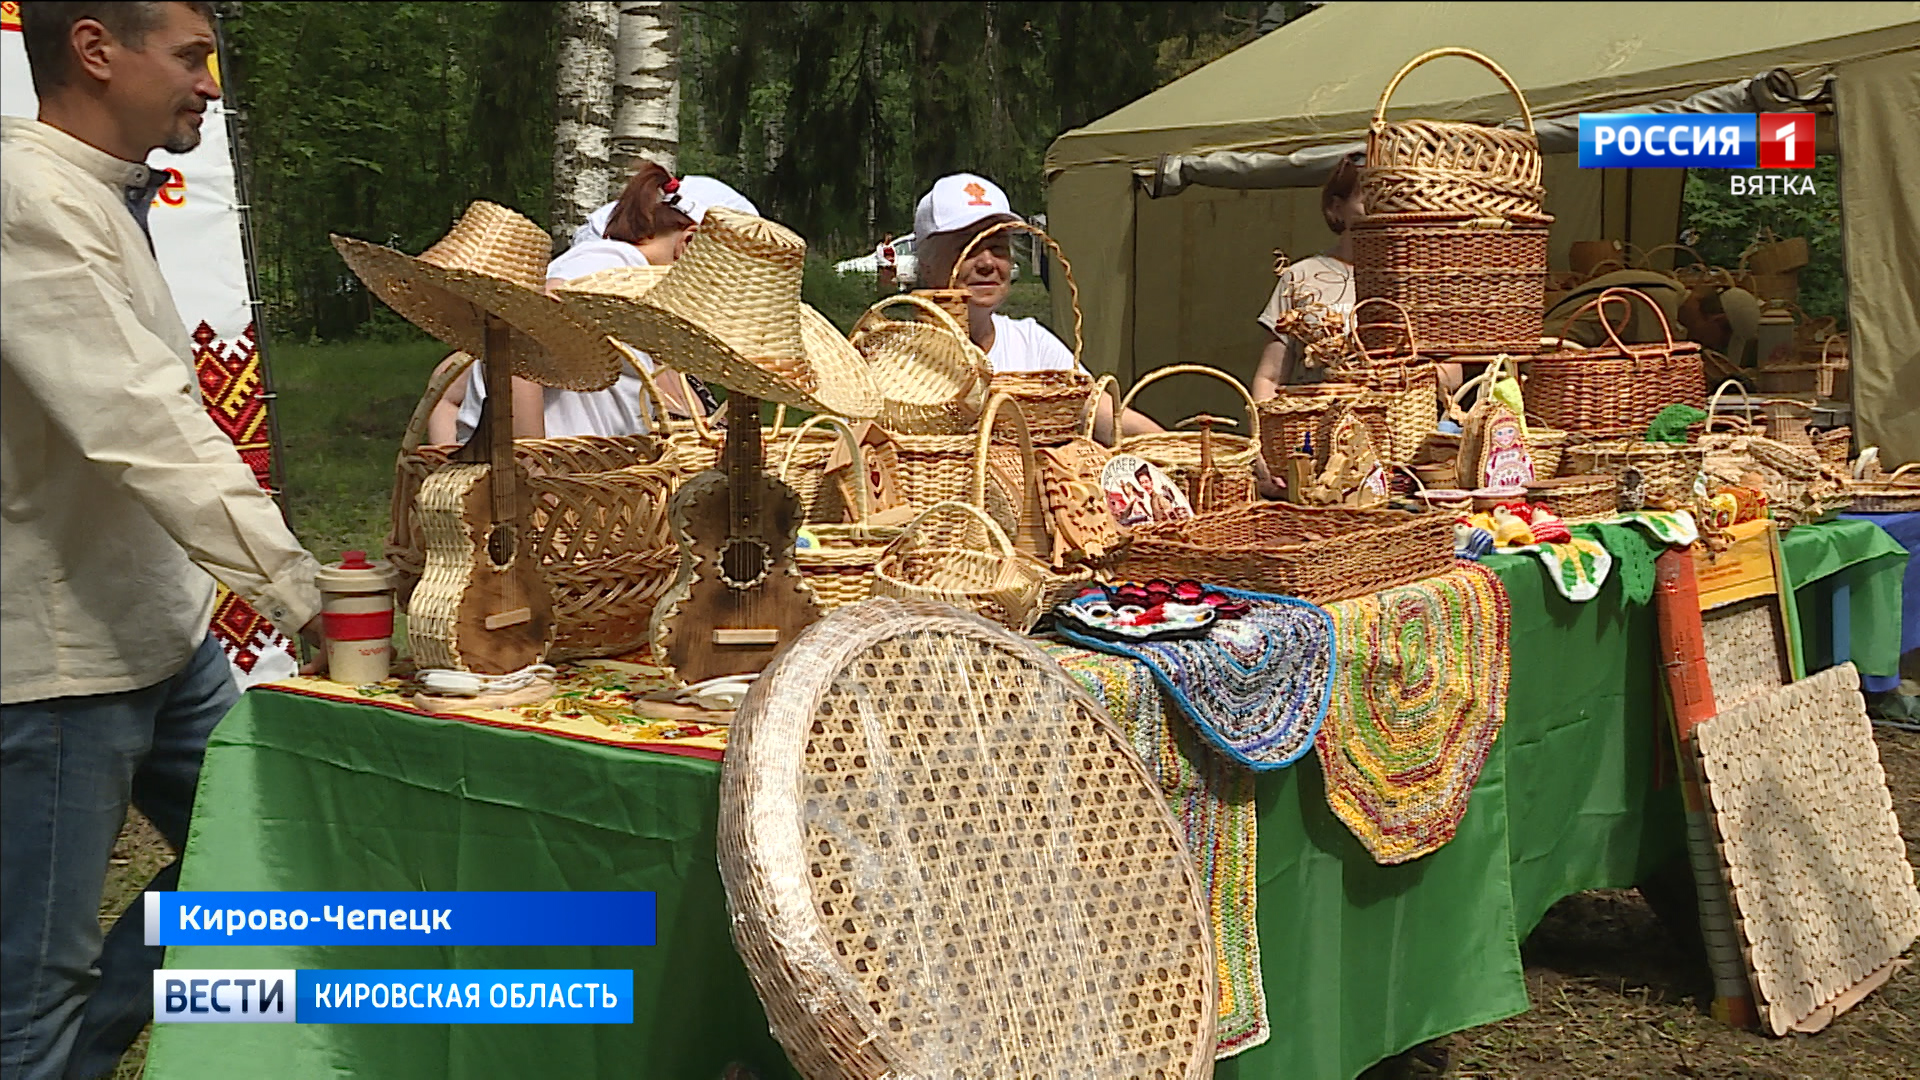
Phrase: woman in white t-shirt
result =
(649, 225)
(959, 208)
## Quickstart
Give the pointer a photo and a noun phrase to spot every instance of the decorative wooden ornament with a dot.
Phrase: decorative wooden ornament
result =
(1349, 471)
(1818, 877)
(882, 457)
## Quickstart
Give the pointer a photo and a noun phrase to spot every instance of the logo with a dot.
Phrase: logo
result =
(1786, 140)
(1667, 141)
(978, 195)
(224, 997)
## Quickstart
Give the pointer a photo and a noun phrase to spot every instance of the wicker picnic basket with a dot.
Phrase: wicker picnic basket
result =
(1471, 286)
(1441, 167)
(1319, 554)
(896, 925)
(1577, 498)
(954, 553)
(1179, 452)
(1889, 494)
(1615, 391)
(932, 378)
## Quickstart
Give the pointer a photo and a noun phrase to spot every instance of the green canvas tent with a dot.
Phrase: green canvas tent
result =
(1172, 208)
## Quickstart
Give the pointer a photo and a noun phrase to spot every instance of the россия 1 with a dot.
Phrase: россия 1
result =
(399, 918)
(1669, 140)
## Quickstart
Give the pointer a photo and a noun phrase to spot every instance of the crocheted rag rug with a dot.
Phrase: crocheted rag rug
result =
(1212, 798)
(1255, 686)
(1420, 693)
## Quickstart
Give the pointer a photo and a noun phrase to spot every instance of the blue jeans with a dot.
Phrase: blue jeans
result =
(70, 1007)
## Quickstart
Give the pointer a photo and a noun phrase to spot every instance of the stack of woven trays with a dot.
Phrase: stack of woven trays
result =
(1453, 231)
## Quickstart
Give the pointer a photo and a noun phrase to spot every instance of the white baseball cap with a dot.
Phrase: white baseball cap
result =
(694, 197)
(958, 202)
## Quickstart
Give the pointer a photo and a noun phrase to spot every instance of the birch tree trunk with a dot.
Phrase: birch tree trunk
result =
(583, 172)
(646, 92)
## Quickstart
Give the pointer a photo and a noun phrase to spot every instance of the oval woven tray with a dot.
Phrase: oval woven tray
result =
(943, 860)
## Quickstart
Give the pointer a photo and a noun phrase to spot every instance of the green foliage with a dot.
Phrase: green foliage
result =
(382, 121)
(1722, 226)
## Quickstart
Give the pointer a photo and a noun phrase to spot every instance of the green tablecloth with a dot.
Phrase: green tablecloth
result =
(1361, 961)
(1860, 556)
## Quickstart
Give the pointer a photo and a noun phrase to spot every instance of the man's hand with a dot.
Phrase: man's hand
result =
(314, 636)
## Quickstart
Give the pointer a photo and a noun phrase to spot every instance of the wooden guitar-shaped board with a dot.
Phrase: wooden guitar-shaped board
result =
(482, 604)
(739, 598)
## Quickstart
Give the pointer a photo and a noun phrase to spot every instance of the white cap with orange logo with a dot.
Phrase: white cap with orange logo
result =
(958, 202)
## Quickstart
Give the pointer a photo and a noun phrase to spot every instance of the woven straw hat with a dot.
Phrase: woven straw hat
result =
(492, 260)
(729, 312)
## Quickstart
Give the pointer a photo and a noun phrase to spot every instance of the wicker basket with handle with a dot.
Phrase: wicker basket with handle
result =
(1892, 494)
(840, 566)
(1290, 420)
(991, 467)
(1401, 404)
(1179, 452)
(956, 554)
(1667, 471)
(1431, 166)
(1319, 554)
(1615, 391)
(932, 377)
(1577, 498)
(1835, 447)
(1055, 402)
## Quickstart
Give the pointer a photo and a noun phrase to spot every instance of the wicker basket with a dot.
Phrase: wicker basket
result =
(932, 377)
(839, 568)
(1319, 554)
(1577, 498)
(1667, 470)
(1178, 452)
(1430, 166)
(954, 553)
(1470, 286)
(1819, 377)
(1291, 420)
(1401, 405)
(1059, 405)
(1773, 255)
(1889, 495)
(974, 468)
(1615, 392)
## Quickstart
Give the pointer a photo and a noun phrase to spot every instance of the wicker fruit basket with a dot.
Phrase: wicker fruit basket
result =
(1893, 494)
(1470, 286)
(1319, 554)
(1431, 166)
(1616, 391)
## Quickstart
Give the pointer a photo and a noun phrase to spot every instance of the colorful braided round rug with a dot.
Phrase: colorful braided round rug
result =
(1419, 694)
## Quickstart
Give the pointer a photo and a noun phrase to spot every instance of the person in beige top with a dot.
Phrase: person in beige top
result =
(123, 503)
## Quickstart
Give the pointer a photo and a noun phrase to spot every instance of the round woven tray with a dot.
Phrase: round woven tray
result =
(943, 860)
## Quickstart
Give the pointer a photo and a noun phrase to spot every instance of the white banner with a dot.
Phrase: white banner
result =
(195, 221)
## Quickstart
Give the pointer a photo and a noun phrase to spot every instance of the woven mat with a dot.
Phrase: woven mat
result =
(1255, 686)
(598, 701)
(1213, 800)
(1420, 694)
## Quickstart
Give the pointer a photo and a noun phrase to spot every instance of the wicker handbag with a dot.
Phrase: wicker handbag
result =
(954, 553)
(1435, 167)
(1615, 391)
(932, 377)
(1179, 453)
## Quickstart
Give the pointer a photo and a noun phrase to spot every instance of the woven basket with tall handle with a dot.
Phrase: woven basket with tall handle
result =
(1893, 494)
(932, 377)
(1401, 406)
(1055, 402)
(981, 467)
(840, 566)
(1444, 167)
(1615, 391)
(1178, 452)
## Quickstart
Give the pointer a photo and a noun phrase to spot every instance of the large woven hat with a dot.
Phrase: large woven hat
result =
(729, 312)
(492, 261)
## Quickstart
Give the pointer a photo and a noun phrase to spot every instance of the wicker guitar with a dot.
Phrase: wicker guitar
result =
(739, 598)
(482, 603)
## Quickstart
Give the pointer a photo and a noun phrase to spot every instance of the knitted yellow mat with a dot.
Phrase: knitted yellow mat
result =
(1419, 695)
(1213, 799)
(597, 701)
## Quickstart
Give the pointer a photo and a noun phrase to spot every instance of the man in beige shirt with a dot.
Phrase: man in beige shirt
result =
(120, 504)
